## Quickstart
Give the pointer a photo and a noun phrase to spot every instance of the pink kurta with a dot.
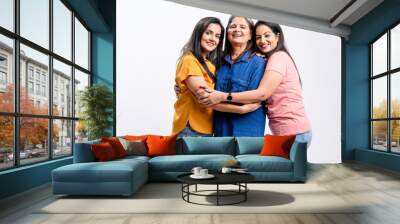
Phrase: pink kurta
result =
(286, 111)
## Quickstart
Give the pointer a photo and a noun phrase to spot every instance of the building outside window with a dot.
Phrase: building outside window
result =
(34, 75)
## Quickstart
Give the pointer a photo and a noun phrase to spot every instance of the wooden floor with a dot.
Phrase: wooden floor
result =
(377, 188)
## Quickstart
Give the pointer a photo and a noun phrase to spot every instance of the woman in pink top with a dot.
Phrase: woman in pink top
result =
(280, 86)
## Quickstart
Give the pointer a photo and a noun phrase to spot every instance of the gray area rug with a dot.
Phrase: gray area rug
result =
(166, 198)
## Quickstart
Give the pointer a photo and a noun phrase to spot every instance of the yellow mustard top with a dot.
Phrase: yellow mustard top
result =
(187, 109)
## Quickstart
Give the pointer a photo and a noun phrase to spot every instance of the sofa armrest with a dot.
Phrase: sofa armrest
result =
(298, 155)
(83, 152)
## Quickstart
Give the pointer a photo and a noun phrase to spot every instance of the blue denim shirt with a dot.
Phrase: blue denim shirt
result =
(245, 74)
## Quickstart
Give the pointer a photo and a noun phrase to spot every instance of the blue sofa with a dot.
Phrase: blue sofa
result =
(125, 176)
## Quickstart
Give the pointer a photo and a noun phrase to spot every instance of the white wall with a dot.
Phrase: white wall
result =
(146, 59)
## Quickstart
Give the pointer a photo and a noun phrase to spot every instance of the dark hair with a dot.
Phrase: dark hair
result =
(228, 45)
(194, 44)
(280, 46)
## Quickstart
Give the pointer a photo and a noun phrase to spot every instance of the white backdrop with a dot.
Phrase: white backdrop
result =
(149, 38)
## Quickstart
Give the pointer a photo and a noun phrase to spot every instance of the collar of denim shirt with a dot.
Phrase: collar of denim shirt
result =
(244, 58)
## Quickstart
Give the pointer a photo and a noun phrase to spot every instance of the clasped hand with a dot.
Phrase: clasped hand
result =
(208, 97)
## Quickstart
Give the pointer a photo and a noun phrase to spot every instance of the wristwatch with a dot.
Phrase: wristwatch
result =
(229, 97)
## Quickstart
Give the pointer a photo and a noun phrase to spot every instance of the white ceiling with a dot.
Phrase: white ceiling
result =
(326, 16)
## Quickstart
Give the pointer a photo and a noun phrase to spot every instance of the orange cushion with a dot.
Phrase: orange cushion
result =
(137, 137)
(103, 152)
(161, 145)
(277, 145)
(116, 145)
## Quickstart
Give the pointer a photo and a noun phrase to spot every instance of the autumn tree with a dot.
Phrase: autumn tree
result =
(6, 122)
(380, 127)
(33, 131)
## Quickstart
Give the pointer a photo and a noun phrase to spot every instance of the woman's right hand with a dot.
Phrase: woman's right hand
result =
(250, 107)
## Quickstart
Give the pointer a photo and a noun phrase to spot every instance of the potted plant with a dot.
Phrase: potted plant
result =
(96, 102)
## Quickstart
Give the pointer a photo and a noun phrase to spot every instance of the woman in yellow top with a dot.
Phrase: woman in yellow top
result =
(200, 58)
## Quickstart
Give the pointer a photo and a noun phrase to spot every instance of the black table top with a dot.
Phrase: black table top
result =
(220, 178)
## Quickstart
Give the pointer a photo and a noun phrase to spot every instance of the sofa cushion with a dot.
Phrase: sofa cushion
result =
(111, 171)
(116, 145)
(134, 147)
(249, 145)
(161, 145)
(207, 145)
(277, 145)
(103, 152)
(257, 163)
(83, 152)
(185, 163)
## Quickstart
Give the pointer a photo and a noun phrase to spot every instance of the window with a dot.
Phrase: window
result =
(43, 77)
(45, 131)
(35, 21)
(37, 75)
(6, 142)
(30, 72)
(3, 61)
(30, 88)
(6, 74)
(385, 91)
(81, 81)
(62, 137)
(7, 14)
(3, 72)
(81, 45)
(62, 29)
(62, 75)
(33, 148)
(44, 91)
(3, 78)
(37, 89)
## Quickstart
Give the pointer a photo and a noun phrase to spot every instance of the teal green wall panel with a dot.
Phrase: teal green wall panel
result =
(103, 63)
(376, 158)
(356, 126)
(24, 178)
(357, 99)
(90, 12)
(102, 58)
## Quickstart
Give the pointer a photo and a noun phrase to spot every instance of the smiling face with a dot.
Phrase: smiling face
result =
(266, 39)
(239, 31)
(210, 38)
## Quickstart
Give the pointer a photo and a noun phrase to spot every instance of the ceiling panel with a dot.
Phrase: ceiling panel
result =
(320, 9)
(326, 16)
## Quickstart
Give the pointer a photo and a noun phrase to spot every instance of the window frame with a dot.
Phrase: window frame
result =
(388, 74)
(15, 71)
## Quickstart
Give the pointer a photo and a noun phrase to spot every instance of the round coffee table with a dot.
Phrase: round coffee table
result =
(238, 179)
